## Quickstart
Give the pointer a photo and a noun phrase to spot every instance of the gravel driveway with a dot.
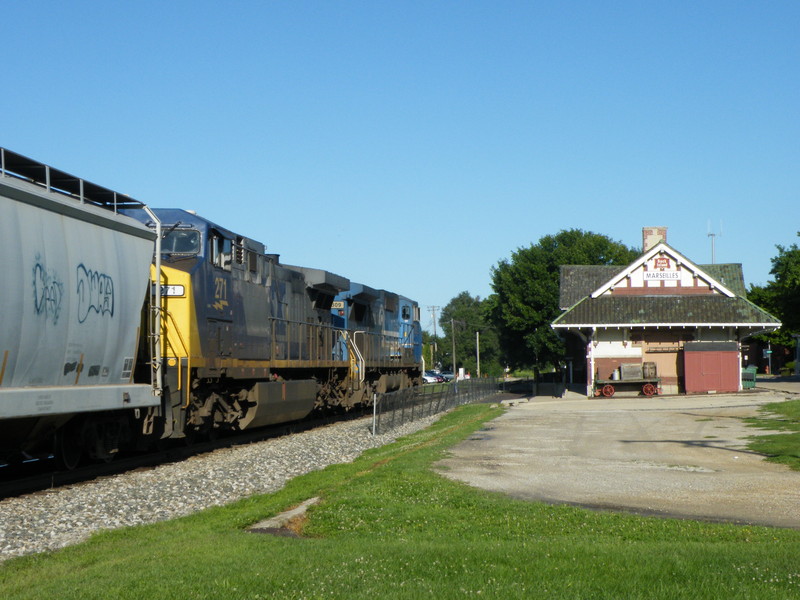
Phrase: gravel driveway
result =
(681, 456)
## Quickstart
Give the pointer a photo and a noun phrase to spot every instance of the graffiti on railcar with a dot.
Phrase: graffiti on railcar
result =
(95, 293)
(48, 292)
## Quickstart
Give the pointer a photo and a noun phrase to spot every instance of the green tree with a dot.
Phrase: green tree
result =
(526, 291)
(781, 295)
(463, 316)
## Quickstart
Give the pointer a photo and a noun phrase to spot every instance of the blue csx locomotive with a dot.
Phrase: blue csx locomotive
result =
(129, 325)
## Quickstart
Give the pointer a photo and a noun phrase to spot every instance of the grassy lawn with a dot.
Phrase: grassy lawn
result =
(389, 527)
(781, 447)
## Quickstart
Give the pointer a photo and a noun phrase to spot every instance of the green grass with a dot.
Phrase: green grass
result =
(390, 527)
(781, 447)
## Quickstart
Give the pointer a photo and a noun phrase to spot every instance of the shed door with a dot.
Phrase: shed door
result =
(711, 369)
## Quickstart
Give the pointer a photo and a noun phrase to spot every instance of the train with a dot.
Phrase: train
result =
(125, 326)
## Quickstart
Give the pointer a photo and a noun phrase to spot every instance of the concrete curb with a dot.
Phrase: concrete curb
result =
(277, 525)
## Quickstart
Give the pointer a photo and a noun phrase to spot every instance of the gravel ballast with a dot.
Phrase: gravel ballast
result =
(64, 516)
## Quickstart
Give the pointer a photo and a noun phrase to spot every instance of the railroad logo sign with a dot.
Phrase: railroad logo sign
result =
(662, 269)
(661, 262)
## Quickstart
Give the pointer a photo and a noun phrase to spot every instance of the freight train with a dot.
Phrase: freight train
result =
(125, 325)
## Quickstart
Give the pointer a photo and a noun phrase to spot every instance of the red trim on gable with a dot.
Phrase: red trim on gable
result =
(662, 291)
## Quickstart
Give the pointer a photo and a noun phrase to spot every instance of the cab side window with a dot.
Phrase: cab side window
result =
(221, 251)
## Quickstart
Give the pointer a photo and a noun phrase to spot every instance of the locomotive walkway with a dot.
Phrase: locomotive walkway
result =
(680, 456)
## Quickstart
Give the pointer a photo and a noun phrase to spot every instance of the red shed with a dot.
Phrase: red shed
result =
(711, 367)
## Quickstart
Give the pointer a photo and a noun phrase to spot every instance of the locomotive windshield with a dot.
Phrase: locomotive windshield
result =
(181, 241)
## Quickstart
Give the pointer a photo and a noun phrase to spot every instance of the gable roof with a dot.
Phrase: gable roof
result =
(577, 281)
(661, 249)
(586, 295)
(728, 274)
(665, 311)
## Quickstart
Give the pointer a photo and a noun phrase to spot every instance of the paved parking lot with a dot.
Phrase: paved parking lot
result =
(680, 456)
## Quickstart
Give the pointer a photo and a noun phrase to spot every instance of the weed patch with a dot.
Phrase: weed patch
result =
(782, 447)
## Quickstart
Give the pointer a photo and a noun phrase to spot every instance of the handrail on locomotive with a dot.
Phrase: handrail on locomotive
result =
(157, 370)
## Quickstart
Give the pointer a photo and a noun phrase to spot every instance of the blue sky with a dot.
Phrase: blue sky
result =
(412, 145)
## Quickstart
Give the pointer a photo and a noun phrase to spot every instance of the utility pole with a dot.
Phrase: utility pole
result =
(453, 338)
(478, 351)
(453, 334)
(433, 310)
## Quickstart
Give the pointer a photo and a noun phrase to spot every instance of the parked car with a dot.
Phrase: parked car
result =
(431, 377)
(447, 375)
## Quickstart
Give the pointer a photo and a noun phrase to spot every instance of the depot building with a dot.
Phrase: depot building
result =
(661, 325)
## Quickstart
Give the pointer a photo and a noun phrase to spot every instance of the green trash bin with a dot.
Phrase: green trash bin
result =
(749, 377)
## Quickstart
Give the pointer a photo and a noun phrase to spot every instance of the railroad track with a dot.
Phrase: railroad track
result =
(39, 476)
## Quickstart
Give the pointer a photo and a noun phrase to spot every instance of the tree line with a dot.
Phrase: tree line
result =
(513, 323)
(781, 295)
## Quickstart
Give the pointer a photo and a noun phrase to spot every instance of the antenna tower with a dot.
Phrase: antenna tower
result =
(713, 237)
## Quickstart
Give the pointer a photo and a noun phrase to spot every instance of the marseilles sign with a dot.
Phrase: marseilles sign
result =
(661, 275)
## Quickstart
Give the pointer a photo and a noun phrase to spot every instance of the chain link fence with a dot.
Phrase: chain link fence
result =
(403, 406)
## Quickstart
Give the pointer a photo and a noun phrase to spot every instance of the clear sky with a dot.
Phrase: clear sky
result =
(411, 145)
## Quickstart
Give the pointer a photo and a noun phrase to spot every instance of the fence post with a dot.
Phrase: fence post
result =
(374, 413)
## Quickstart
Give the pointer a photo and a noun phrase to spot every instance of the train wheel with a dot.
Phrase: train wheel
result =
(68, 448)
(648, 389)
(608, 390)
